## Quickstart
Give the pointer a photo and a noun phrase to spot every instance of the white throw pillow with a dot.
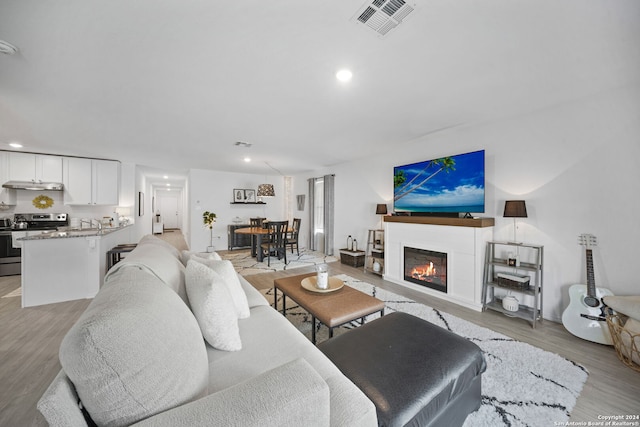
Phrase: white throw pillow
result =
(187, 255)
(213, 307)
(225, 269)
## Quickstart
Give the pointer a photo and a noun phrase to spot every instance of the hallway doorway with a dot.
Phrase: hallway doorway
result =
(168, 206)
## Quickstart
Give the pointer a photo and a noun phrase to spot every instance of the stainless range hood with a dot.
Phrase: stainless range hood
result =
(34, 185)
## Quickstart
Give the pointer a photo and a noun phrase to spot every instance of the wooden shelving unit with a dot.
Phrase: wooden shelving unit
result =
(374, 252)
(496, 263)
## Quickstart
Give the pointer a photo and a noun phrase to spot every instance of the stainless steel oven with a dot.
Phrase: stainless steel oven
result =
(9, 256)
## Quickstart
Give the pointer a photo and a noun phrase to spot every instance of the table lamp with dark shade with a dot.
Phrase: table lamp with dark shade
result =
(515, 209)
(381, 209)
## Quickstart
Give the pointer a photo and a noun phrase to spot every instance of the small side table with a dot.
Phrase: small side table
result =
(115, 254)
(352, 258)
(158, 227)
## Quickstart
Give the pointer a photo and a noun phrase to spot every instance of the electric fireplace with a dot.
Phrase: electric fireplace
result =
(426, 268)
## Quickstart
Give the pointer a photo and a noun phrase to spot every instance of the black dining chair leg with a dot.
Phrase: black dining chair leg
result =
(269, 256)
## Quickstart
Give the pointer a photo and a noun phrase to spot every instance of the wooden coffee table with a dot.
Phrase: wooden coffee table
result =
(332, 309)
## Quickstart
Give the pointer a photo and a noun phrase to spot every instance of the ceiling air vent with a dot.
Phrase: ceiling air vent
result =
(383, 15)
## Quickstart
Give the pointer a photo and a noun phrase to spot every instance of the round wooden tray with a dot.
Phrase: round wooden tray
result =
(309, 283)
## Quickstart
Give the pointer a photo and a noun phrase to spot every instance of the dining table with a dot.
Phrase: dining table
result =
(256, 242)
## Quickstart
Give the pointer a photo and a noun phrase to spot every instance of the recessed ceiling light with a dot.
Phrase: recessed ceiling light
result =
(165, 177)
(247, 159)
(15, 144)
(344, 75)
(168, 185)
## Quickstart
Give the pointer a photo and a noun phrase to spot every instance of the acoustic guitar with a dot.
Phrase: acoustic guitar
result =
(584, 317)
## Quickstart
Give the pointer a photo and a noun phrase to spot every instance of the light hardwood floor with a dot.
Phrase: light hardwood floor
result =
(30, 339)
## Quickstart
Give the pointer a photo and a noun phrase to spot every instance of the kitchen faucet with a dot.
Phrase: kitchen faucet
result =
(90, 222)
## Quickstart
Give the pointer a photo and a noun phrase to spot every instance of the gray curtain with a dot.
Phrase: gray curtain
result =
(312, 190)
(329, 204)
(327, 212)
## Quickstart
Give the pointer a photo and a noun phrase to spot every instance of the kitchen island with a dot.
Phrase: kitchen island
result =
(66, 265)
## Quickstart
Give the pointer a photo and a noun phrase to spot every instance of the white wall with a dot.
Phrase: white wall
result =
(576, 165)
(213, 191)
(186, 216)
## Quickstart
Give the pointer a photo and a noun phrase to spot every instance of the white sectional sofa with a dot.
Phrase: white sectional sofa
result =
(137, 356)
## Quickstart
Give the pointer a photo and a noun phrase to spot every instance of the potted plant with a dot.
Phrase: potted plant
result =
(209, 218)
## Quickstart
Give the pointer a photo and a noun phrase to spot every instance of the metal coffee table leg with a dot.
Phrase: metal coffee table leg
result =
(313, 329)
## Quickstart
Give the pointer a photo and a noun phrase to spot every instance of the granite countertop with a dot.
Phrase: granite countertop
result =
(66, 233)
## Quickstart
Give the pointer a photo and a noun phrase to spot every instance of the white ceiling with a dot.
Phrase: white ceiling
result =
(174, 84)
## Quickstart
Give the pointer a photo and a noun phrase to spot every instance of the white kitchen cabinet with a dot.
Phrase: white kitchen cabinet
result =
(77, 180)
(35, 167)
(91, 181)
(7, 195)
(106, 182)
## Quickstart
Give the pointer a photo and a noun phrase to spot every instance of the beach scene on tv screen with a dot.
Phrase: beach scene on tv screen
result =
(447, 184)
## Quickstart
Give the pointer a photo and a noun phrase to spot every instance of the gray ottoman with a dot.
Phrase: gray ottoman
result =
(415, 373)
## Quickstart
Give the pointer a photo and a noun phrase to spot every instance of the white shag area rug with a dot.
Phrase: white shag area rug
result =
(247, 265)
(522, 386)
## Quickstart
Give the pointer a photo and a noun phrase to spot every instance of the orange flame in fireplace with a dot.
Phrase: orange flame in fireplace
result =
(423, 271)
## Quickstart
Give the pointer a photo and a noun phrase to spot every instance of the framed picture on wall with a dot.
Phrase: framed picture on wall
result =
(250, 196)
(238, 195)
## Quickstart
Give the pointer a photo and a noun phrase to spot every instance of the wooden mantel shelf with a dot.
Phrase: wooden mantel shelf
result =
(433, 220)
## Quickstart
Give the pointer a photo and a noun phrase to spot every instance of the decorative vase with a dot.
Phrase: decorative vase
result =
(322, 278)
(510, 303)
(376, 266)
(210, 248)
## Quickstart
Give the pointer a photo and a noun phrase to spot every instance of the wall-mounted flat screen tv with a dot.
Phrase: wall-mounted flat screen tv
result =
(452, 184)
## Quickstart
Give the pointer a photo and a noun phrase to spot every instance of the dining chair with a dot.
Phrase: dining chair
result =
(277, 240)
(292, 237)
(255, 222)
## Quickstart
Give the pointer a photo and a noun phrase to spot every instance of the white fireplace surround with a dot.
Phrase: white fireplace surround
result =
(465, 249)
